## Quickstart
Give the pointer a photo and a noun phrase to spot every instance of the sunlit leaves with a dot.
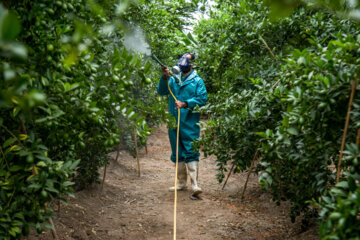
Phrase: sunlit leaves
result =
(61, 106)
(295, 108)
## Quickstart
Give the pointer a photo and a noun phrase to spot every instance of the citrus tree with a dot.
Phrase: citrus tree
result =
(281, 86)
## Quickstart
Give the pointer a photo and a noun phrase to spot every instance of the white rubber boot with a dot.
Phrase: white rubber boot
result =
(182, 177)
(193, 168)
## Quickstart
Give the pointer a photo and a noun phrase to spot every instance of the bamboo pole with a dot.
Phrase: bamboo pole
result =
(353, 89)
(137, 153)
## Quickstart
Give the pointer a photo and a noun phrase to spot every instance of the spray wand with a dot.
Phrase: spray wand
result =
(175, 69)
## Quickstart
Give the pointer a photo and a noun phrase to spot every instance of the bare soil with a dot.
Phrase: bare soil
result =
(133, 207)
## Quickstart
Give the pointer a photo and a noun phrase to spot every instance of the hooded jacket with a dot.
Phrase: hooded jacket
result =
(192, 91)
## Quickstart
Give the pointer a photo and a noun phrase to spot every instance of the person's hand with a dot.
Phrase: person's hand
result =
(179, 104)
(166, 72)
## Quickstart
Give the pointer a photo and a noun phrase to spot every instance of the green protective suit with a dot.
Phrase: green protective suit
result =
(192, 91)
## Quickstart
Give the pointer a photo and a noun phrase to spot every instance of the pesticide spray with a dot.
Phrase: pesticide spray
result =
(135, 41)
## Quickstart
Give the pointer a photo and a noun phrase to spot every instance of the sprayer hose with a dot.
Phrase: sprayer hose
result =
(177, 161)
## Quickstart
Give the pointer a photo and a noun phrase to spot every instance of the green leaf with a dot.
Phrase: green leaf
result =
(9, 142)
(326, 199)
(342, 184)
(191, 37)
(37, 97)
(44, 81)
(19, 215)
(262, 134)
(40, 120)
(68, 87)
(15, 168)
(74, 164)
(131, 115)
(301, 60)
(147, 67)
(94, 109)
(34, 186)
(63, 200)
(70, 194)
(16, 111)
(338, 192)
(68, 183)
(15, 148)
(334, 216)
(52, 189)
(129, 110)
(292, 131)
(48, 225)
(17, 50)
(14, 231)
(41, 164)
(10, 26)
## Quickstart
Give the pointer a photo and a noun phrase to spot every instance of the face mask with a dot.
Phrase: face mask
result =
(185, 69)
(184, 64)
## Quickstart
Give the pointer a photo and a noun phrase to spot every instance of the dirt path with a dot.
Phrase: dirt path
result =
(142, 208)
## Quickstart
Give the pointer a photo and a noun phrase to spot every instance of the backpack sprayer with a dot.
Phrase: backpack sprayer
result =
(173, 72)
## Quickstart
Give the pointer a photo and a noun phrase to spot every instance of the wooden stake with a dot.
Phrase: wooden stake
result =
(59, 205)
(228, 176)
(117, 152)
(53, 231)
(137, 153)
(103, 181)
(23, 128)
(146, 150)
(250, 170)
(358, 138)
(354, 85)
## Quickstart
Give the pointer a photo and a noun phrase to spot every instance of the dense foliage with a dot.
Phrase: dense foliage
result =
(278, 73)
(283, 87)
(69, 92)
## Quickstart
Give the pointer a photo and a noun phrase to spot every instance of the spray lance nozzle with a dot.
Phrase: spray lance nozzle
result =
(173, 72)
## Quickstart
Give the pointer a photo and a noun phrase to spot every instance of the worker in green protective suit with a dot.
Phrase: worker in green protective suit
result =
(190, 92)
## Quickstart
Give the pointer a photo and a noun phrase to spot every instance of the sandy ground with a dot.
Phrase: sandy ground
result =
(142, 208)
